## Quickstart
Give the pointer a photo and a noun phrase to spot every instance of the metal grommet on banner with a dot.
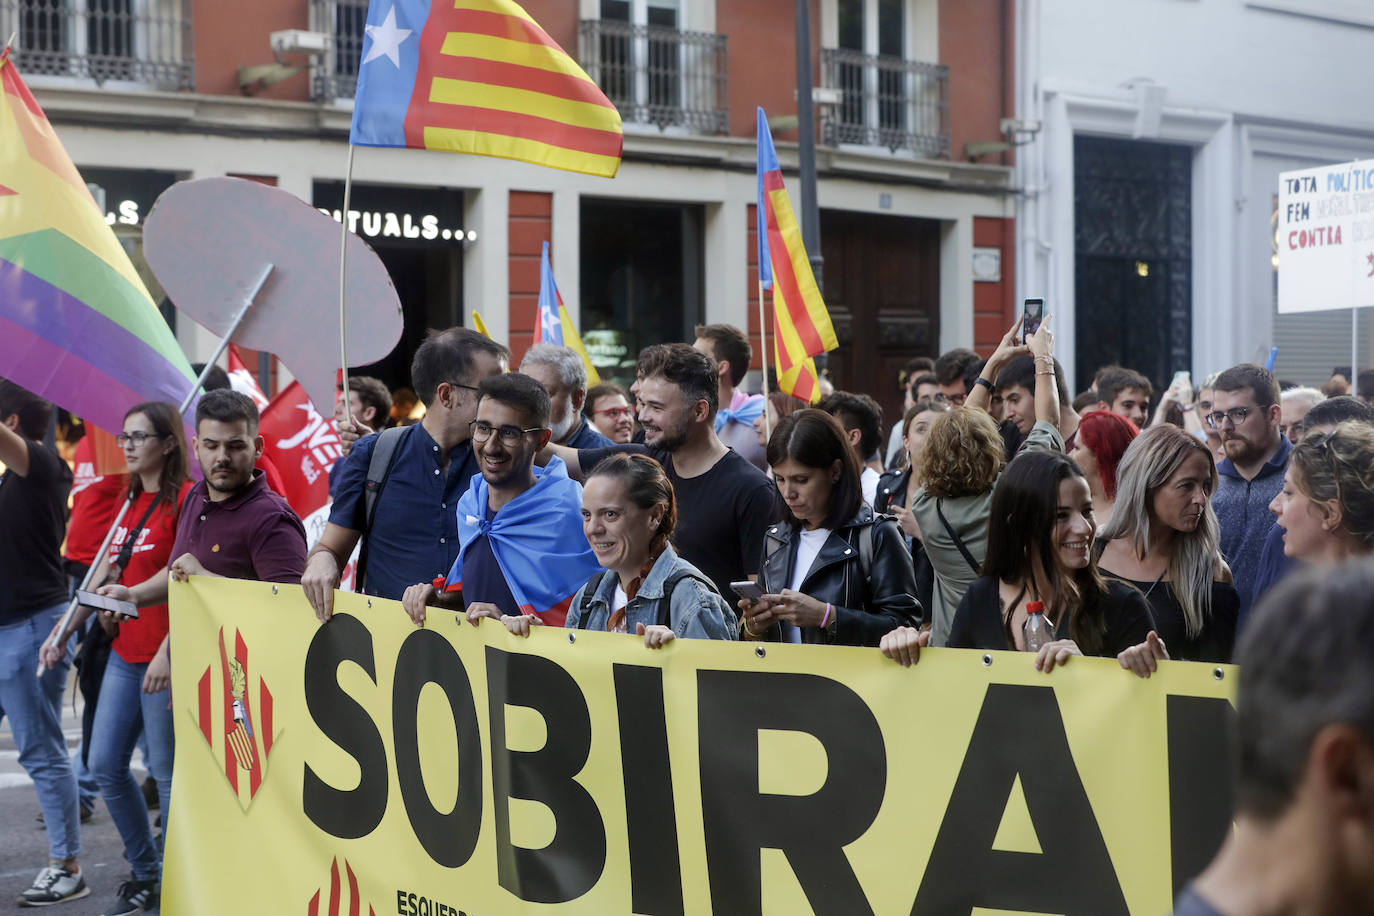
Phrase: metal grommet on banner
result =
(572, 638)
(369, 602)
(1218, 674)
(987, 661)
(760, 651)
(274, 589)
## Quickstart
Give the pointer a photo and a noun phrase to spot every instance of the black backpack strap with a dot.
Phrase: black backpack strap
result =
(958, 541)
(378, 472)
(665, 610)
(589, 592)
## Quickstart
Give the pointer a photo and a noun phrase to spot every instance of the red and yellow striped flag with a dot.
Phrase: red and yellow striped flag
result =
(480, 77)
(801, 323)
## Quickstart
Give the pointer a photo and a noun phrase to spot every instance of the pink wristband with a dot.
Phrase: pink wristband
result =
(826, 618)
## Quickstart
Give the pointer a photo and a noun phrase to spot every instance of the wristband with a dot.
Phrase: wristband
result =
(984, 382)
(826, 618)
(1187, 407)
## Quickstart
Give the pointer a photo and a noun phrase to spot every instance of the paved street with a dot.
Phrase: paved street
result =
(24, 845)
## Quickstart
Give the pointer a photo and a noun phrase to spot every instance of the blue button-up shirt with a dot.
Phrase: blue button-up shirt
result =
(414, 535)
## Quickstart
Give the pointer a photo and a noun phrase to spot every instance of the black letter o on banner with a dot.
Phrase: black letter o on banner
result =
(450, 837)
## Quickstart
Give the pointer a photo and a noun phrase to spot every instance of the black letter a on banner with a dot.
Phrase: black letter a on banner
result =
(1020, 732)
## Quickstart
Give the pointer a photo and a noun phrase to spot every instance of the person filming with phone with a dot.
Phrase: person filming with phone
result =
(832, 572)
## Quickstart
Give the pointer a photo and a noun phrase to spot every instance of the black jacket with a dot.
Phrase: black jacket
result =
(865, 608)
(892, 492)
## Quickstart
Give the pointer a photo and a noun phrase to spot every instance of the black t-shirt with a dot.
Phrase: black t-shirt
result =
(721, 514)
(1218, 637)
(33, 510)
(978, 622)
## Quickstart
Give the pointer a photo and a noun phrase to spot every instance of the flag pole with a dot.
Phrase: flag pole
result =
(343, 257)
(763, 347)
(184, 406)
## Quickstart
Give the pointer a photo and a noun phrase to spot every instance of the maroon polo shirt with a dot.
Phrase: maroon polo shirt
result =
(253, 534)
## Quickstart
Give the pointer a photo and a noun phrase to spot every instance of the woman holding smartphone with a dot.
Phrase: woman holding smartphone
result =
(135, 692)
(832, 572)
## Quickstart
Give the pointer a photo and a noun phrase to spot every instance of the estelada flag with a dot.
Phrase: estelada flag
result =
(480, 77)
(553, 324)
(801, 324)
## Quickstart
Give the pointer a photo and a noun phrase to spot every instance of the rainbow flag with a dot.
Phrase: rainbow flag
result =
(77, 325)
(801, 323)
(553, 324)
(480, 77)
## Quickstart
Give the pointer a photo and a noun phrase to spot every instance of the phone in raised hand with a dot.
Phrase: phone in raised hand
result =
(1032, 313)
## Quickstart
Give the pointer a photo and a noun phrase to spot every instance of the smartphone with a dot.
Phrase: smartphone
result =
(746, 589)
(105, 603)
(1182, 377)
(1032, 313)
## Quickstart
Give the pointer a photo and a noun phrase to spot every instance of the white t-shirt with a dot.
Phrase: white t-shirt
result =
(809, 544)
(618, 601)
(868, 481)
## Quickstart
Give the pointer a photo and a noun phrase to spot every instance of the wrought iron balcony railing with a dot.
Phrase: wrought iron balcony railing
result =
(886, 102)
(659, 76)
(145, 42)
(335, 73)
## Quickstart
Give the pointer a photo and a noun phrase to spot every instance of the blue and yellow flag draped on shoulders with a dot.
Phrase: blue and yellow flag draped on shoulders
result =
(537, 540)
(480, 77)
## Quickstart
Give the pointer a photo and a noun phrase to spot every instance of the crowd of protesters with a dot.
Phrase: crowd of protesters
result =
(684, 507)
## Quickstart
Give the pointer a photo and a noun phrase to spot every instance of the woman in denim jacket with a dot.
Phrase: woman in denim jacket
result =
(628, 514)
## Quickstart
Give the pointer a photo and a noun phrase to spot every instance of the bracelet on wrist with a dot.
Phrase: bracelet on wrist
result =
(984, 382)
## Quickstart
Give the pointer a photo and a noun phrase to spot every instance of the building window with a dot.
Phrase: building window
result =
(886, 99)
(652, 70)
(145, 42)
(336, 74)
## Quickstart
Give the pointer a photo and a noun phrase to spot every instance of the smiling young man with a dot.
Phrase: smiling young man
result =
(1125, 393)
(724, 502)
(522, 550)
(1246, 412)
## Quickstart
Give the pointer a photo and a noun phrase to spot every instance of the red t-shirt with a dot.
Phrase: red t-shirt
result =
(139, 640)
(95, 500)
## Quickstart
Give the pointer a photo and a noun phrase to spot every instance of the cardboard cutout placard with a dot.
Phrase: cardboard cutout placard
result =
(209, 240)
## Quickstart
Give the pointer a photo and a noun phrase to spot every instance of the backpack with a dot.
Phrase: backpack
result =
(378, 472)
(594, 584)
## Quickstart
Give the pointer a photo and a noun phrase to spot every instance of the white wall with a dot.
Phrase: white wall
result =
(1249, 87)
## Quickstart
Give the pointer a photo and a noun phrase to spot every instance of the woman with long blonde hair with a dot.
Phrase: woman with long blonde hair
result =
(1163, 538)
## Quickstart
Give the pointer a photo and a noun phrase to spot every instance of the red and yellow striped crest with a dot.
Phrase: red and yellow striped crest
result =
(335, 903)
(235, 720)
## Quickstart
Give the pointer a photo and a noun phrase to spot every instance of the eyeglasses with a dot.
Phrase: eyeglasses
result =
(137, 438)
(510, 435)
(461, 385)
(1236, 415)
(617, 413)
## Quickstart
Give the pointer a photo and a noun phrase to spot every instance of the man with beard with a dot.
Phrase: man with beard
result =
(724, 502)
(231, 524)
(560, 371)
(1245, 410)
(522, 550)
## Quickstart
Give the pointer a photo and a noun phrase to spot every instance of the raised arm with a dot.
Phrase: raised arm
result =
(1041, 345)
(1007, 350)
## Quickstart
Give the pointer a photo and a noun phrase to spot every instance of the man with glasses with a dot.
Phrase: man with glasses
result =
(1246, 412)
(522, 549)
(412, 534)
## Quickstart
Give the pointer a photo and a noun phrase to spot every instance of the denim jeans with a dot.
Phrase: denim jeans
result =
(34, 707)
(124, 711)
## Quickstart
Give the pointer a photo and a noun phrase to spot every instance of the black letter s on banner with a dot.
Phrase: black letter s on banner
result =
(344, 813)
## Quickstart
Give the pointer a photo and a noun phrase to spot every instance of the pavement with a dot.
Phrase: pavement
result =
(24, 843)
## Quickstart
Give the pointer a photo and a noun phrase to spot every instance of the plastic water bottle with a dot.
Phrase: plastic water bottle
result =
(1036, 630)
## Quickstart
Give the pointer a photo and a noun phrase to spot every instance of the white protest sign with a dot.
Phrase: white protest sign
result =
(1326, 237)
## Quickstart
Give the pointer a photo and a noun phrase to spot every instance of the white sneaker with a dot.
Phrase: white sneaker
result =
(54, 884)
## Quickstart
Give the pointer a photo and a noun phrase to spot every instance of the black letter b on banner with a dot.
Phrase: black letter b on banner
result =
(572, 863)
(811, 830)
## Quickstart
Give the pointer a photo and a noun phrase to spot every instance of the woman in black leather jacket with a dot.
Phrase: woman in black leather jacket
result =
(832, 572)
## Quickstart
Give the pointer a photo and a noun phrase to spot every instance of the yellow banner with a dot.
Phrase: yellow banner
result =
(371, 767)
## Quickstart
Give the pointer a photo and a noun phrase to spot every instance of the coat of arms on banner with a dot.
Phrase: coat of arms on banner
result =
(235, 720)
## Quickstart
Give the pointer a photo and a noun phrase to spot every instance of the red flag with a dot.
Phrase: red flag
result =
(243, 380)
(304, 446)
